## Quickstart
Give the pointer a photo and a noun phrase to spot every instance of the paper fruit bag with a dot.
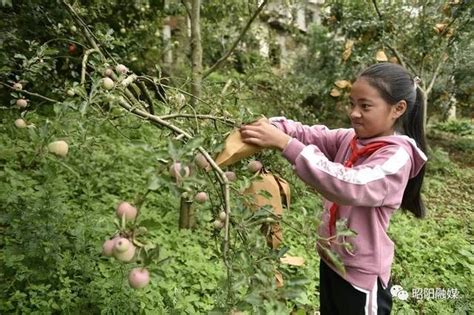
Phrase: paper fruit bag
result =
(278, 188)
(279, 196)
(235, 149)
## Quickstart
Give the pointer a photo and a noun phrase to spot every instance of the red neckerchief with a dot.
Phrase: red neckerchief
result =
(355, 155)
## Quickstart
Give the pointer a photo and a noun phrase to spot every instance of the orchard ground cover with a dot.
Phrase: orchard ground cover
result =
(59, 210)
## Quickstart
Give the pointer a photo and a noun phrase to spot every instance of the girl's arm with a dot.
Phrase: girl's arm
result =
(328, 141)
(381, 180)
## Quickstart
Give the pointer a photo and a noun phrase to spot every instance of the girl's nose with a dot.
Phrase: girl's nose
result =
(354, 113)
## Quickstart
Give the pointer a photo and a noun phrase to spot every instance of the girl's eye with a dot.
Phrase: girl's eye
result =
(365, 106)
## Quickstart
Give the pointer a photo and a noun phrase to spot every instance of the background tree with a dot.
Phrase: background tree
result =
(425, 36)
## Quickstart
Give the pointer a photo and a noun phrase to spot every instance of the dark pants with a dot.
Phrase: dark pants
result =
(339, 297)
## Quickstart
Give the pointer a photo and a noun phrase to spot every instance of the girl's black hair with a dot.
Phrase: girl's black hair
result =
(394, 84)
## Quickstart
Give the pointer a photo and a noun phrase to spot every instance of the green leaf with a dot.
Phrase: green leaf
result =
(334, 260)
(154, 183)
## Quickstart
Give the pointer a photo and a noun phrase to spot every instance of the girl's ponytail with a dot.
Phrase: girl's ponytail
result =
(413, 126)
(395, 83)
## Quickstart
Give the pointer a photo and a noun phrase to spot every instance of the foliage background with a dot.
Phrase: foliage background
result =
(56, 213)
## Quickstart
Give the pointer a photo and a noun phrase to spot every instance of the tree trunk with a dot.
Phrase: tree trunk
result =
(186, 214)
(166, 34)
(196, 51)
(425, 108)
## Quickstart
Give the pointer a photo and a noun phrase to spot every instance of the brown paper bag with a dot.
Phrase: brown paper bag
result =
(276, 187)
(285, 191)
(235, 150)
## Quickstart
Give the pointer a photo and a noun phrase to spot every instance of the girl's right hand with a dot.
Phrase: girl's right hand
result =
(264, 134)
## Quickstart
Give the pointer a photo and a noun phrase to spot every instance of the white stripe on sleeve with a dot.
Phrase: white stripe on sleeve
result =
(358, 176)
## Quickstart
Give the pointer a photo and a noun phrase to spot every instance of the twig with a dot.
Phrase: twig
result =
(155, 119)
(226, 86)
(187, 93)
(200, 116)
(84, 63)
(236, 42)
(155, 85)
(145, 91)
(186, 7)
(374, 2)
(31, 93)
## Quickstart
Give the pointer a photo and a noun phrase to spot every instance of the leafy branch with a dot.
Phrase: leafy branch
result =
(219, 62)
(132, 105)
(30, 93)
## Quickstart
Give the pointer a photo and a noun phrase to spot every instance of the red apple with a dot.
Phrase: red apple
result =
(121, 245)
(201, 197)
(124, 208)
(230, 176)
(21, 123)
(121, 69)
(222, 215)
(218, 224)
(201, 161)
(108, 72)
(124, 250)
(17, 86)
(254, 166)
(72, 48)
(108, 247)
(59, 148)
(139, 277)
(21, 103)
(107, 83)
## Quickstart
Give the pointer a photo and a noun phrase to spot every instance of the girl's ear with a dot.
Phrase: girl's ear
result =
(399, 109)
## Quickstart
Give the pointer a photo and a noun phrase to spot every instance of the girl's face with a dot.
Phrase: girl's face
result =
(370, 114)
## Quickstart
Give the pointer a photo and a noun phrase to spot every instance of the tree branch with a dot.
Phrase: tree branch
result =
(84, 63)
(223, 181)
(234, 45)
(200, 116)
(145, 91)
(188, 10)
(31, 93)
(379, 14)
(435, 75)
(393, 49)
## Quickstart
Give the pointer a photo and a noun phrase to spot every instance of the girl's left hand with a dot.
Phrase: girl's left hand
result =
(264, 134)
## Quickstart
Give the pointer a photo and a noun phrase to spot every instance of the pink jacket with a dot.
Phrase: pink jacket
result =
(367, 194)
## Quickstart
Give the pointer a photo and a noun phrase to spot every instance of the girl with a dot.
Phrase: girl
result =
(364, 174)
